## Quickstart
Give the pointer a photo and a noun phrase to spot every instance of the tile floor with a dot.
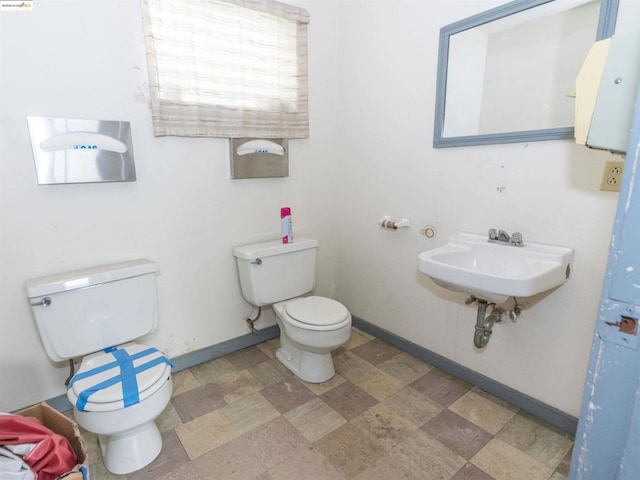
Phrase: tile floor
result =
(386, 415)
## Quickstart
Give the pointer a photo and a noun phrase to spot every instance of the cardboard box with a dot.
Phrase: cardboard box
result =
(58, 423)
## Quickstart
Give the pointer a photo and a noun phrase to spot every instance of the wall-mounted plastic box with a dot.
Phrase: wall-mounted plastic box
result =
(605, 93)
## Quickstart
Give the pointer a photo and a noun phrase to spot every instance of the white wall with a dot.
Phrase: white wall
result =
(85, 59)
(372, 76)
(387, 65)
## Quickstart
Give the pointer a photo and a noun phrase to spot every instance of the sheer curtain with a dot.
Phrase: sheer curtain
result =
(227, 68)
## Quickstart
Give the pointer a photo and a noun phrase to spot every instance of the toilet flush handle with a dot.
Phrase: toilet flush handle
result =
(257, 261)
(45, 302)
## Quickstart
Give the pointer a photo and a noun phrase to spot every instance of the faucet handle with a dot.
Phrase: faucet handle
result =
(516, 239)
(493, 234)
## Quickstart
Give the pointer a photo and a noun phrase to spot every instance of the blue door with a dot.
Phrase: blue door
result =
(607, 443)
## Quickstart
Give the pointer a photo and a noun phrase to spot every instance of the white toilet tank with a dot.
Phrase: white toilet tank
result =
(84, 311)
(271, 272)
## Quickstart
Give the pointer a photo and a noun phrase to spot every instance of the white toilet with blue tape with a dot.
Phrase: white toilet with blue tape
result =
(121, 386)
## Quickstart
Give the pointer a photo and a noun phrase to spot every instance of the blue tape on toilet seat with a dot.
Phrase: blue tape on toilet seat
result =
(126, 375)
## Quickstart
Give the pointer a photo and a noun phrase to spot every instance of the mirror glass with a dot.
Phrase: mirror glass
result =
(508, 74)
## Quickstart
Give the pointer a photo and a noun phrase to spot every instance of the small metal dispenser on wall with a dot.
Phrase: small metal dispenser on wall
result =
(67, 150)
(259, 158)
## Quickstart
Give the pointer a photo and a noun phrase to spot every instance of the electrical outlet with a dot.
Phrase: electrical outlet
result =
(612, 176)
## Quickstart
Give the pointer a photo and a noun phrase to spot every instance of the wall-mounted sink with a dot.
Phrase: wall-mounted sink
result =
(468, 263)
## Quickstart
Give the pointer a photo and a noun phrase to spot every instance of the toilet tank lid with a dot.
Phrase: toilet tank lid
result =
(274, 247)
(62, 282)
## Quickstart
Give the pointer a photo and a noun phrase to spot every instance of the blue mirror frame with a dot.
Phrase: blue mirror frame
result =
(606, 28)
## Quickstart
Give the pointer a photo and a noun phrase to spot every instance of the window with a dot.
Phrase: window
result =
(227, 68)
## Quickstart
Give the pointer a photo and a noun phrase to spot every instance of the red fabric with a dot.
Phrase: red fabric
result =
(50, 458)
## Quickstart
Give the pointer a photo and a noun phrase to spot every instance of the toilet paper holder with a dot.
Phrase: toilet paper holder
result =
(388, 224)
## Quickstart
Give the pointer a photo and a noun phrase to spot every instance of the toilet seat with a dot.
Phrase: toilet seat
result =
(316, 313)
(118, 377)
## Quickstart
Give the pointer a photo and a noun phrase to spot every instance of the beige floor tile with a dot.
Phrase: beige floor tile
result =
(558, 476)
(247, 357)
(355, 340)
(386, 468)
(457, 433)
(287, 394)
(229, 462)
(349, 400)
(98, 471)
(213, 370)
(482, 412)
(183, 472)
(183, 381)
(349, 365)
(269, 347)
(275, 442)
(237, 385)
(270, 372)
(171, 457)
(376, 351)
(315, 419)
(349, 449)
(471, 472)
(197, 402)
(504, 462)
(412, 405)
(442, 387)
(545, 444)
(366, 335)
(249, 412)
(405, 367)
(385, 427)
(168, 419)
(320, 388)
(92, 445)
(495, 399)
(427, 458)
(565, 464)
(205, 433)
(309, 465)
(377, 383)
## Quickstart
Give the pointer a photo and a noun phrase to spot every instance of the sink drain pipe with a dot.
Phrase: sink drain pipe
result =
(483, 327)
(484, 322)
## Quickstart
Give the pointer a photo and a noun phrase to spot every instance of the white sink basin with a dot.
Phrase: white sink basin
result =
(494, 272)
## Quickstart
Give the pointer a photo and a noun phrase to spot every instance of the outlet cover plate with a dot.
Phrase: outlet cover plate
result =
(612, 176)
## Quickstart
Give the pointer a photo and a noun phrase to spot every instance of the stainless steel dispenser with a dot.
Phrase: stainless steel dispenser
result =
(81, 151)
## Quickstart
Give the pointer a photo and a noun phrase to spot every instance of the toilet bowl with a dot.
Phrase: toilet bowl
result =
(117, 394)
(310, 328)
(140, 443)
(277, 274)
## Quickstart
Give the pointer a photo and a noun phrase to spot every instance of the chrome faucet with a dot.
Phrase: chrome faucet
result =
(503, 238)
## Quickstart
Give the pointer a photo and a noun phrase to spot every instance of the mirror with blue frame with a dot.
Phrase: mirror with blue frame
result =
(508, 74)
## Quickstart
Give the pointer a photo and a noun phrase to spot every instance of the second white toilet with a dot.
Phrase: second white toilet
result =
(273, 273)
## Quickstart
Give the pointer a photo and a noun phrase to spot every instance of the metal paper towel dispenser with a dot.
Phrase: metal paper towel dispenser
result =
(606, 89)
(67, 150)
